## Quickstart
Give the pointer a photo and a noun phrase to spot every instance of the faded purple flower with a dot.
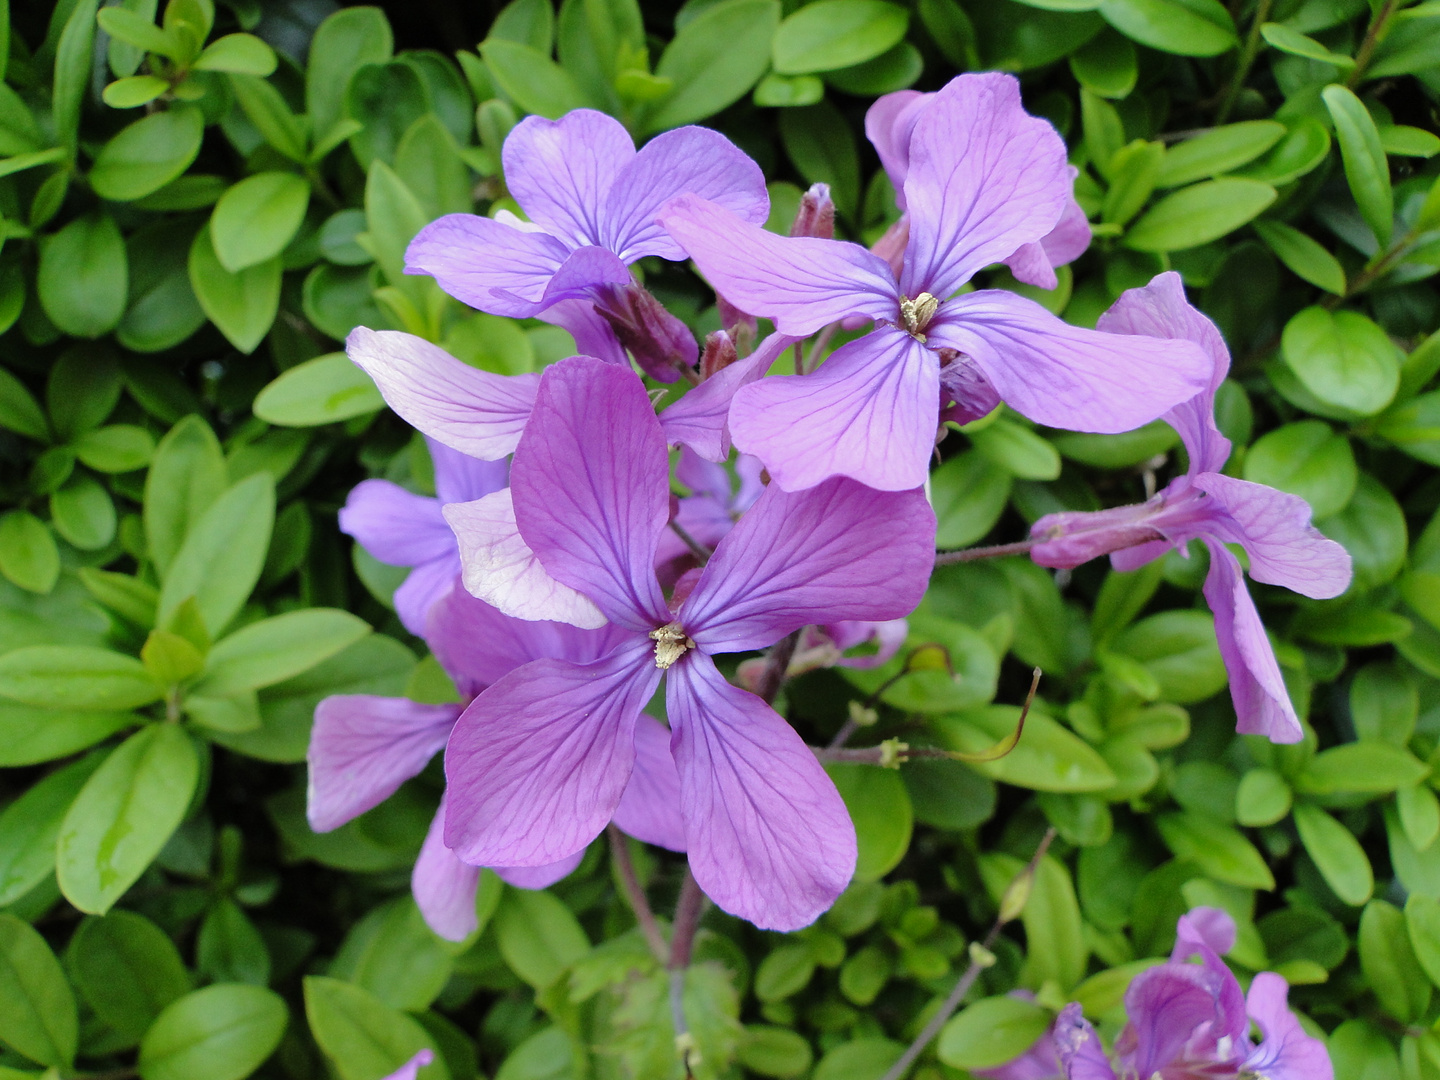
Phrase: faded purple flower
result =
(1203, 504)
(984, 180)
(539, 761)
(404, 529)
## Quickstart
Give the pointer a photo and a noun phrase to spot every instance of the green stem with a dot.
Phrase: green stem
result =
(1373, 33)
(1247, 60)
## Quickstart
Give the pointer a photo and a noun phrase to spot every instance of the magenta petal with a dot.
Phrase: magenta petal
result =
(769, 837)
(1079, 1048)
(801, 283)
(700, 419)
(834, 552)
(443, 886)
(1284, 548)
(488, 264)
(650, 808)
(1262, 703)
(985, 177)
(461, 478)
(591, 484)
(1065, 376)
(362, 748)
(540, 877)
(394, 525)
(869, 412)
(687, 160)
(473, 411)
(538, 762)
(1287, 1052)
(411, 1069)
(423, 588)
(560, 171)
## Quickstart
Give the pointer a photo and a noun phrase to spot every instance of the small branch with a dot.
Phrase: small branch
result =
(1247, 59)
(699, 550)
(635, 895)
(878, 755)
(994, 551)
(777, 661)
(980, 959)
(799, 351)
(688, 910)
(1373, 34)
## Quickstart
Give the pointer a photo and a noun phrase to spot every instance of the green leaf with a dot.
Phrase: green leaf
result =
(1017, 450)
(1419, 812)
(1405, 141)
(256, 218)
(1119, 451)
(879, 806)
(1303, 255)
(1303, 147)
(535, 82)
(775, 1051)
(170, 658)
(37, 1009)
(1366, 169)
(394, 216)
(72, 73)
(82, 512)
(1297, 44)
(163, 310)
(1217, 151)
(785, 972)
(386, 100)
(148, 154)
(952, 32)
(1200, 213)
(124, 815)
(867, 1058)
(134, 91)
(82, 280)
(991, 1032)
(1360, 1049)
(223, 554)
(325, 390)
(19, 411)
(428, 161)
(228, 948)
(1106, 65)
(1053, 928)
(186, 475)
(1390, 964)
(1369, 766)
(1183, 27)
(706, 80)
(128, 970)
(969, 493)
(830, 34)
(395, 956)
(344, 43)
(530, 22)
(1048, 758)
(1219, 850)
(267, 110)
(819, 142)
(28, 555)
(1179, 649)
(76, 677)
(242, 305)
(1342, 358)
(275, 649)
(30, 734)
(140, 30)
(361, 1035)
(892, 70)
(1308, 459)
(116, 448)
(1422, 923)
(1263, 798)
(223, 1032)
(30, 825)
(243, 54)
(538, 936)
(1338, 855)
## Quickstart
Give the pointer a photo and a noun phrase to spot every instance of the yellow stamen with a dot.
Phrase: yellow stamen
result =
(671, 643)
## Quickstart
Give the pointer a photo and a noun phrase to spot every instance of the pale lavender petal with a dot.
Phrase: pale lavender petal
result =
(800, 282)
(443, 886)
(1071, 537)
(1031, 265)
(593, 335)
(424, 587)
(488, 264)
(473, 411)
(833, 552)
(591, 481)
(362, 748)
(1211, 927)
(394, 525)
(1079, 1048)
(985, 177)
(869, 412)
(700, 419)
(1287, 1052)
(1040, 1062)
(888, 124)
(540, 877)
(1207, 932)
(1262, 703)
(499, 568)
(1066, 376)
(1071, 237)
(703, 478)
(769, 837)
(560, 171)
(650, 808)
(537, 763)
(687, 160)
(462, 478)
(1168, 1005)
(1284, 548)
(412, 1068)
(583, 273)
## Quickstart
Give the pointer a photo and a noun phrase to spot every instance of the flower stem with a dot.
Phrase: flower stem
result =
(688, 910)
(1373, 33)
(777, 660)
(699, 550)
(635, 895)
(1247, 59)
(994, 551)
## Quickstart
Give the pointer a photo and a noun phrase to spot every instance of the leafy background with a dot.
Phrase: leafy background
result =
(199, 203)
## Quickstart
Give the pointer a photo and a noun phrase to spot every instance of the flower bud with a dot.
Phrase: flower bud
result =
(719, 354)
(816, 216)
(662, 345)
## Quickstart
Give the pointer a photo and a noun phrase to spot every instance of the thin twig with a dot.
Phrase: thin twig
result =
(994, 551)
(799, 358)
(699, 550)
(1247, 59)
(777, 661)
(1373, 33)
(635, 895)
(688, 910)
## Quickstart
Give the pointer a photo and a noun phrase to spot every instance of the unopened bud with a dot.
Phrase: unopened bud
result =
(862, 716)
(1017, 895)
(980, 956)
(719, 354)
(816, 216)
(662, 345)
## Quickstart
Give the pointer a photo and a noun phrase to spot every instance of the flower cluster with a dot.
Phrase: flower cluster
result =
(571, 583)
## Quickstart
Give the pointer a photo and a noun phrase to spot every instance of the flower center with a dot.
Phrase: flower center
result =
(917, 313)
(671, 643)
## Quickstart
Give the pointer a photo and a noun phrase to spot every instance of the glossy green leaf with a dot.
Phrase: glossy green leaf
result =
(1183, 27)
(325, 390)
(1048, 757)
(1366, 169)
(275, 649)
(1309, 459)
(347, 40)
(538, 936)
(28, 555)
(242, 305)
(128, 970)
(148, 154)
(223, 1032)
(831, 34)
(705, 81)
(82, 279)
(880, 807)
(536, 82)
(186, 475)
(1303, 255)
(75, 676)
(969, 493)
(82, 512)
(1390, 964)
(73, 57)
(1200, 213)
(1218, 151)
(1221, 851)
(255, 219)
(991, 1032)
(1342, 358)
(243, 54)
(363, 1037)
(1339, 856)
(30, 825)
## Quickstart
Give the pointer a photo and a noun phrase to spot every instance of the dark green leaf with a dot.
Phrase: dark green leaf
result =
(128, 970)
(82, 279)
(1365, 166)
(37, 1009)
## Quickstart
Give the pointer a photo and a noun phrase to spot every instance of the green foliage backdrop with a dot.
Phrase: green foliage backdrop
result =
(196, 206)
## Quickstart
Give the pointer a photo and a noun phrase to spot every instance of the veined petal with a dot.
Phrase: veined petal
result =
(700, 419)
(1031, 265)
(424, 587)
(1284, 548)
(687, 160)
(888, 124)
(1168, 1005)
(363, 747)
(985, 177)
(394, 525)
(650, 808)
(462, 478)
(834, 552)
(869, 412)
(486, 263)
(800, 282)
(591, 483)
(538, 762)
(1071, 236)
(1066, 376)
(499, 568)
(540, 877)
(1262, 703)
(473, 411)
(1214, 928)
(1287, 1052)
(769, 837)
(593, 335)
(560, 171)
(443, 886)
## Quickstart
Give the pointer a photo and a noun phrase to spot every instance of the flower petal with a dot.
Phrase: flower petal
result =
(394, 525)
(499, 568)
(593, 335)
(473, 411)
(462, 478)
(1079, 1048)
(769, 838)
(985, 177)
(1071, 236)
(650, 808)
(560, 171)
(800, 282)
(1071, 537)
(888, 124)
(701, 419)
(424, 587)
(869, 412)
(687, 160)
(540, 877)
(486, 263)
(591, 483)
(363, 747)
(443, 886)
(412, 1068)
(1212, 927)
(538, 762)
(1066, 376)
(1262, 703)
(1168, 1005)
(1287, 1053)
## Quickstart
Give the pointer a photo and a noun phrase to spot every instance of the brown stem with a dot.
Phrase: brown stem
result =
(688, 910)
(635, 895)
(994, 551)
(875, 755)
(1373, 33)
(777, 660)
(1247, 59)
(699, 550)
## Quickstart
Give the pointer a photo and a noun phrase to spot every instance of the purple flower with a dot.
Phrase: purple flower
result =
(412, 1068)
(709, 511)
(984, 180)
(363, 747)
(1273, 527)
(539, 761)
(404, 529)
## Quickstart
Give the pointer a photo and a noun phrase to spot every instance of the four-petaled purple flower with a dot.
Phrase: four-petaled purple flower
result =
(984, 180)
(538, 762)
(1273, 527)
